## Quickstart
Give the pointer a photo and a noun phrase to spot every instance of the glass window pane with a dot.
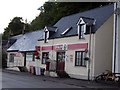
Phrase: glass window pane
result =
(80, 58)
(11, 57)
(45, 56)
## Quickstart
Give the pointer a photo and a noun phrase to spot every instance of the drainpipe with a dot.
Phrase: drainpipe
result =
(89, 55)
(115, 40)
(25, 59)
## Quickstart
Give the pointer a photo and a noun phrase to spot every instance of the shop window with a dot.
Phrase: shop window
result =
(45, 57)
(79, 58)
(11, 58)
(30, 56)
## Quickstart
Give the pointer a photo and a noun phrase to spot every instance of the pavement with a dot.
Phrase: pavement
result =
(69, 81)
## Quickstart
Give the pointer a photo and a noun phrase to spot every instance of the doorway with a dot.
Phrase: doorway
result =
(60, 61)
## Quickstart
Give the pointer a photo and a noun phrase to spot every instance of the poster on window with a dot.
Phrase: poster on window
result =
(29, 56)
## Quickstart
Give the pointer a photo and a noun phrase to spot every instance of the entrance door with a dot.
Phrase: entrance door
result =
(60, 61)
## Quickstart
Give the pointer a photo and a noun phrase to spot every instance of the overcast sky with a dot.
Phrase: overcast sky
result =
(21, 8)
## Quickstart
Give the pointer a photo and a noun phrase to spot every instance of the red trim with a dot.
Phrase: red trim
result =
(69, 47)
(78, 46)
(46, 48)
(18, 55)
(58, 47)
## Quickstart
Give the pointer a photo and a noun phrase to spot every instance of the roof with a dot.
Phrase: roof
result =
(50, 28)
(100, 15)
(88, 20)
(16, 37)
(27, 42)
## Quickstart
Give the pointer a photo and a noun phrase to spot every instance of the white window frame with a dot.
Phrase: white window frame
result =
(82, 30)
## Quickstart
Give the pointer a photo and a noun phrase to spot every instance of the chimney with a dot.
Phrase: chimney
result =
(11, 33)
(24, 29)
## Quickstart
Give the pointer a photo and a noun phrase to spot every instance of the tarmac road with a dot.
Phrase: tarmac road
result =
(14, 79)
(10, 80)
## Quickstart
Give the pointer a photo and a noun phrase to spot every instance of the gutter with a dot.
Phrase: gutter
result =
(89, 55)
(115, 40)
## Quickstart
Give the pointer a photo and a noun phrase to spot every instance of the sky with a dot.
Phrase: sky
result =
(27, 9)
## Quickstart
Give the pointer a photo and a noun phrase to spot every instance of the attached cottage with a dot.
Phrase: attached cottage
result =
(22, 52)
(80, 44)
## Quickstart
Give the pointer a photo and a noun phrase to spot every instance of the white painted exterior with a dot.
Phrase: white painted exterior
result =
(101, 52)
(117, 60)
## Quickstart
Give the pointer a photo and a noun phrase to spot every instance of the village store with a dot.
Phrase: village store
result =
(80, 44)
(23, 53)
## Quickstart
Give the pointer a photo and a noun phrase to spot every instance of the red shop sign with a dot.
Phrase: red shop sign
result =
(19, 55)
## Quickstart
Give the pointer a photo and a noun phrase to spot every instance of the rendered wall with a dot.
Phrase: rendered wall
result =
(103, 47)
(74, 71)
(18, 59)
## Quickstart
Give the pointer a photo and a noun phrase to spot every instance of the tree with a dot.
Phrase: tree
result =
(15, 27)
(51, 12)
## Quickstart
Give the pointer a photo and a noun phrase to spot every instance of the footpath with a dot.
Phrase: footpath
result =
(69, 81)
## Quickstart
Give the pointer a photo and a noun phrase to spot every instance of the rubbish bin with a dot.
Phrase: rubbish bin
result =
(30, 69)
(36, 70)
(42, 71)
(33, 70)
(39, 71)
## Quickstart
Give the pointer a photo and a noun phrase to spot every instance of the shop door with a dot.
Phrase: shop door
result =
(60, 61)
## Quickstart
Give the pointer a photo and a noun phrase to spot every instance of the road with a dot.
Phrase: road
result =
(10, 80)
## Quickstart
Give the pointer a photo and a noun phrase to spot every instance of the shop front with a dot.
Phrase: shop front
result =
(69, 58)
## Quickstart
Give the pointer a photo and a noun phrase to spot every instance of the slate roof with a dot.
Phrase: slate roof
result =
(27, 42)
(50, 28)
(100, 14)
(88, 20)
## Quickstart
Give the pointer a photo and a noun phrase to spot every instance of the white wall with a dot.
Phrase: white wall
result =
(117, 68)
(18, 61)
(103, 47)
(70, 68)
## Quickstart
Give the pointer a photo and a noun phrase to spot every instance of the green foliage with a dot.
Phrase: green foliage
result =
(51, 12)
(15, 27)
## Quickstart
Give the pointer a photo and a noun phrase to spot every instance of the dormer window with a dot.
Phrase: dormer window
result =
(48, 32)
(46, 35)
(83, 26)
(82, 31)
(45, 38)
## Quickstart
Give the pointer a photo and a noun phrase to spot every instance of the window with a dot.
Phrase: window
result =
(82, 30)
(63, 33)
(79, 58)
(29, 56)
(11, 57)
(45, 57)
(45, 40)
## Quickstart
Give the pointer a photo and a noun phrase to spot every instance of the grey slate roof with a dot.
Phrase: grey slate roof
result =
(16, 37)
(50, 28)
(99, 14)
(27, 42)
(88, 20)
